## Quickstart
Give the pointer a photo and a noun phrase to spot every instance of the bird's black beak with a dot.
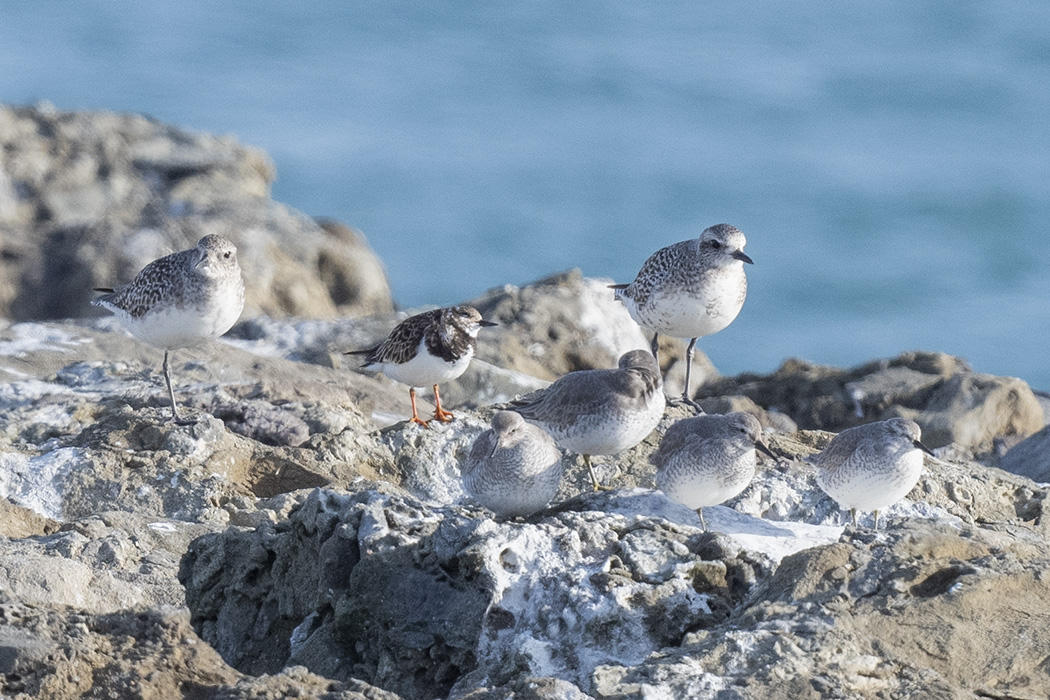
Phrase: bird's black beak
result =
(742, 257)
(765, 450)
(487, 323)
(923, 447)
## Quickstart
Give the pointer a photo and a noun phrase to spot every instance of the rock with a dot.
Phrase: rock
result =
(139, 654)
(95, 431)
(1030, 458)
(430, 601)
(17, 522)
(88, 198)
(972, 410)
(840, 620)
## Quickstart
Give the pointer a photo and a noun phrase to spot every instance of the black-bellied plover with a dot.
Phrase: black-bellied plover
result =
(872, 466)
(706, 460)
(181, 299)
(514, 468)
(426, 350)
(600, 411)
(691, 289)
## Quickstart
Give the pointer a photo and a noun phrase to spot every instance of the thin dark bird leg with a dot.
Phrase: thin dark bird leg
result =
(415, 416)
(689, 351)
(700, 512)
(655, 348)
(171, 392)
(439, 414)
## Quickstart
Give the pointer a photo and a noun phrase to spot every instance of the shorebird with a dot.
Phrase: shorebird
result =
(691, 289)
(708, 459)
(872, 466)
(181, 299)
(600, 411)
(514, 468)
(426, 350)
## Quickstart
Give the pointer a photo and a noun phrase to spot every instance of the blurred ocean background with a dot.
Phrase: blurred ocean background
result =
(889, 161)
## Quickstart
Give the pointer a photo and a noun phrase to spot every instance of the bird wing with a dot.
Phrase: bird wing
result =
(403, 342)
(654, 268)
(579, 393)
(484, 447)
(840, 449)
(160, 278)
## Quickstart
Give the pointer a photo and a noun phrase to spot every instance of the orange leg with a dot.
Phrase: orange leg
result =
(439, 414)
(415, 415)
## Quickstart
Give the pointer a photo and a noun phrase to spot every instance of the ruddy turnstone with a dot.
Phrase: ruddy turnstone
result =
(426, 350)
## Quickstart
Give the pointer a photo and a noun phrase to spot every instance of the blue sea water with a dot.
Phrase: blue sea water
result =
(889, 160)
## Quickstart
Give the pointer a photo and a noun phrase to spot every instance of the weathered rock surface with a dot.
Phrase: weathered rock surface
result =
(307, 537)
(136, 654)
(1030, 458)
(926, 609)
(88, 198)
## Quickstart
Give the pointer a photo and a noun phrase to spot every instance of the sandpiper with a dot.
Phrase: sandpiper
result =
(872, 466)
(181, 299)
(691, 289)
(514, 468)
(708, 459)
(426, 350)
(600, 411)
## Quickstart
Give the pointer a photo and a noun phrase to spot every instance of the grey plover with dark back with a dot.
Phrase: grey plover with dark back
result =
(600, 411)
(181, 300)
(708, 459)
(428, 349)
(514, 468)
(872, 466)
(691, 289)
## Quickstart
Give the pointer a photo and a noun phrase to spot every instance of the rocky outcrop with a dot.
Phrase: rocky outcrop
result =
(88, 198)
(322, 554)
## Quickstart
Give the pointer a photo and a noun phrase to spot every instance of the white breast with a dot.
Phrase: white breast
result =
(424, 369)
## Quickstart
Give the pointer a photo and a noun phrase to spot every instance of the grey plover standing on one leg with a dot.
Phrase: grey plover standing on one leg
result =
(181, 299)
(600, 411)
(426, 350)
(514, 468)
(872, 466)
(706, 460)
(691, 289)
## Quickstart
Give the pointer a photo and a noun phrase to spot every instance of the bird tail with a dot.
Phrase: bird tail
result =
(367, 352)
(103, 300)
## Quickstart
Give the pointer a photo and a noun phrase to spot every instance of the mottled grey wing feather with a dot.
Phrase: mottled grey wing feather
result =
(161, 278)
(654, 270)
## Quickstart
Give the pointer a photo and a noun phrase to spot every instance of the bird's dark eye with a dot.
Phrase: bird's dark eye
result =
(227, 255)
(715, 244)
